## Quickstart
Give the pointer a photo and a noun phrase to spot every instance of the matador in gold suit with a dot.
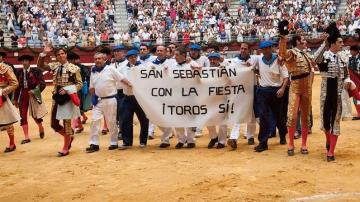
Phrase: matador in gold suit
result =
(65, 75)
(8, 113)
(299, 64)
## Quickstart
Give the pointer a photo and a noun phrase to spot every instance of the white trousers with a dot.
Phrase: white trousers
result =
(105, 108)
(165, 137)
(220, 134)
(185, 135)
(151, 130)
(250, 130)
(346, 105)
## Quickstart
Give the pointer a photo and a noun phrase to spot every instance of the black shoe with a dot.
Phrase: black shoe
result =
(272, 135)
(232, 143)
(112, 147)
(355, 118)
(151, 137)
(92, 148)
(25, 141)
(290, 152)
(304, 151)
(120, 136)
(330, 158)
(251, 141)
(327, 146)
(124, 147)
(261, 148)
(297, 135)
(220, 146)
(42, 135)
(190, 145)
(179, 145)
(164, 145)
(62, 154)
(8, 149)
(212, 142)
(283, 141)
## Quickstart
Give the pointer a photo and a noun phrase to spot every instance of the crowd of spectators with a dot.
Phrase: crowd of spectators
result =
(62, 22)
(187, 21)
(351, 20)
(67, 23)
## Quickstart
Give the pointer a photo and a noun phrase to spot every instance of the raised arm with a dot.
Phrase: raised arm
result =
(283, 52)
(120, 77)
(319, 53)
(41, 60)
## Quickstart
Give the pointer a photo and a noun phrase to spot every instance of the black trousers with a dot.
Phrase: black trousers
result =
(130, 107)
(120, 100)
(270, 109)
(330, 105)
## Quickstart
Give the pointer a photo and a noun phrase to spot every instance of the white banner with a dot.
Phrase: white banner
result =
(188, 98)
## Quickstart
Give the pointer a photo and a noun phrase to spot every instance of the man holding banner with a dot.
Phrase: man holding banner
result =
(118, 62)
(219, 136)
(103, 86)
(131, 107)
(160, 61)
(203, 61)
(188, 136)
(273, 80)
(246, 59)
(146, 58)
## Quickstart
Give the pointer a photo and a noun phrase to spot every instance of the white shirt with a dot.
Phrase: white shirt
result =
(171, 63)
(203, 61)
(105, 81)
(149, 59)
(252, 60)
(125, 71)
(118, 66)
(271, 75)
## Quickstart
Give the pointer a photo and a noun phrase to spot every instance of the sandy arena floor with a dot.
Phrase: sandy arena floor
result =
(33, 173)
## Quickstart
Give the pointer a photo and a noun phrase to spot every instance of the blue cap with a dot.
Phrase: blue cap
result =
(195, 47)
(214, 55)
(265, 44)
(131, 52)
(118, 48)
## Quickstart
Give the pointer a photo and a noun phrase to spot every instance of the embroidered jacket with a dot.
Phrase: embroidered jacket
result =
(8, 81)
(298, 62)
(333, 66)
